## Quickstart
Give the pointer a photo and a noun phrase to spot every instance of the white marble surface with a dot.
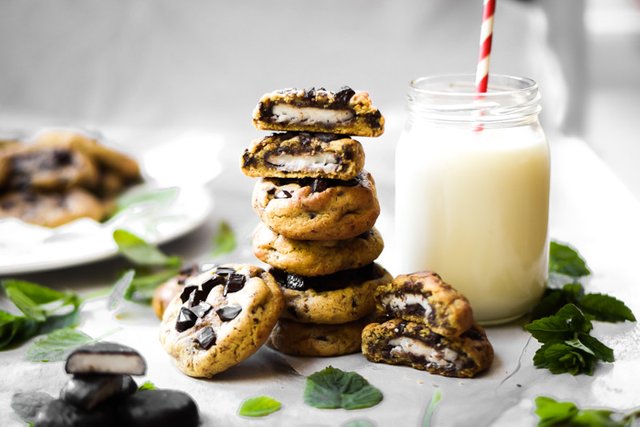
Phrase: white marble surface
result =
(590, 209)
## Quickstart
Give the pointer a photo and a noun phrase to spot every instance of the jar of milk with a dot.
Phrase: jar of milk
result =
(472, 191)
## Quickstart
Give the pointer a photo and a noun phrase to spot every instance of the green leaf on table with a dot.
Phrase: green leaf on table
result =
(552, 413)
(333, 388)
(155, 196)
(224, 241)
(55, 346)
(259, 406)
(561, 326)
(560, 358)
(359, 423)
(554, 299)
(119, 289)
(564, 259)
(597, 348)
(141, 253)
(15, 329)
(147, 385)
(436, 397)
(606, 308)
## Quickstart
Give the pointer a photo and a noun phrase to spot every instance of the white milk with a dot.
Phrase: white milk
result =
(472, 205)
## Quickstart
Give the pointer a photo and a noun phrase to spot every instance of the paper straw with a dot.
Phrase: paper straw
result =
(486, 36)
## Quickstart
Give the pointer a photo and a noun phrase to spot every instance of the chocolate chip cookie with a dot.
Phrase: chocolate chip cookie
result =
(317, 209)
(51, 209)
(308, 339)
(399, 342)
(49, 168)
(220, 318)
(425, 297)
(316, 257)
(303, 155)
(341, 297)
(319, 110)
(90, 145)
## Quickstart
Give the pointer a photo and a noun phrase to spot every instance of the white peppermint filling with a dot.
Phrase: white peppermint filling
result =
(325, 162)
(399, 303)
(286, 113)
(405, 345)
(105, 364)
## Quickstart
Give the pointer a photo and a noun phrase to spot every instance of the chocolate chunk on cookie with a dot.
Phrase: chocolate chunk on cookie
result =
(164, 293)
(316, 257)
(425, 297)
(317, 209)
(341, 297)
(399, 342)
(51, 209)
(308, 339)
(304, 155)
(222, 317)
(319, 110)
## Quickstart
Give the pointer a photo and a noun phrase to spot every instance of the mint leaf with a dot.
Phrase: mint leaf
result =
(141, 253)
(259, 406)
(147, 385)
(145, 283)
(156, 196)
(606, 308)
(333, 388)
(563, 259)
(55, 346)
(561, 326)
(359, 423)
(25, 304)
(597, 348)
(14, 329)
(561, 358)
(119, 289)
(552, 413)
(225, 240)
(433, 404)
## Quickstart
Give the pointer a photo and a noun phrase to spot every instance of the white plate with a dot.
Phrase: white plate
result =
(26, 248)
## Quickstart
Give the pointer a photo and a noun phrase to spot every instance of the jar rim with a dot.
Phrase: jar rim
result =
(462, 85)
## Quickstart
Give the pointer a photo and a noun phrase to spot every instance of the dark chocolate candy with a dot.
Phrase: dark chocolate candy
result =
(159, 408)
(59, 413)
(88, 391)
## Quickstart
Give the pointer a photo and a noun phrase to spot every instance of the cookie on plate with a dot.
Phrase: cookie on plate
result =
(221, 317)
(341, 297)
(51, 209)
(316, 257)
(90, 145)
(399, 342)
(307, 339)
(425, 297)
(303, 155)
(319, 110)
(49, 168)
(317, 209)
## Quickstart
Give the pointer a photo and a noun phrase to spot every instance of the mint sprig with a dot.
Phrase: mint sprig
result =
(43, 310)
(333, 388)
(563, 259)
(552, 413)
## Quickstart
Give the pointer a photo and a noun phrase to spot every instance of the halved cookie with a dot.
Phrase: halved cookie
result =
(319, 110)
(304, 155)
(220, 318)
(316, 257)
(399, 342)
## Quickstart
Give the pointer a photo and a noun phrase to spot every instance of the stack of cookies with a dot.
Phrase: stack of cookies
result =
(318, 207)
(430, 327)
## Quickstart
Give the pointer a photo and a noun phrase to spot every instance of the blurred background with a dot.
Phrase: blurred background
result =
(201, 65)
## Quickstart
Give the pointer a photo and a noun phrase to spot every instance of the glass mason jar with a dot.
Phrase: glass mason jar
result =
(472, 191)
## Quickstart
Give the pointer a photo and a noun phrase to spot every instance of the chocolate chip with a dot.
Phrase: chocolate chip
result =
(201, 309)
(206, 337)
(343, 96)
(186, 319)
(197, 297)
(186, 292)
(234, 283)
(282, 194)
(61, 158)
(225, 271)
(211, 283)
(415, 309)
(319, 185)
(229, 312)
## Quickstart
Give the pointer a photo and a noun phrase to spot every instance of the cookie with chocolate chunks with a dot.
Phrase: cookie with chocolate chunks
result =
(303, 155)
(345, 112)
(308, 339)
(316, 257)
(399, 342)
(317, 209)
(337, 298)
(425, 297)
(221, 317)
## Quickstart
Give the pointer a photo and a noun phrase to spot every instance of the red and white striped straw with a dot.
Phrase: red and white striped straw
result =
(486, 35)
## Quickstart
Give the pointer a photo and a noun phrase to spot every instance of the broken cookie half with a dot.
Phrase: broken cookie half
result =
(319, 110)
(304, 155)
